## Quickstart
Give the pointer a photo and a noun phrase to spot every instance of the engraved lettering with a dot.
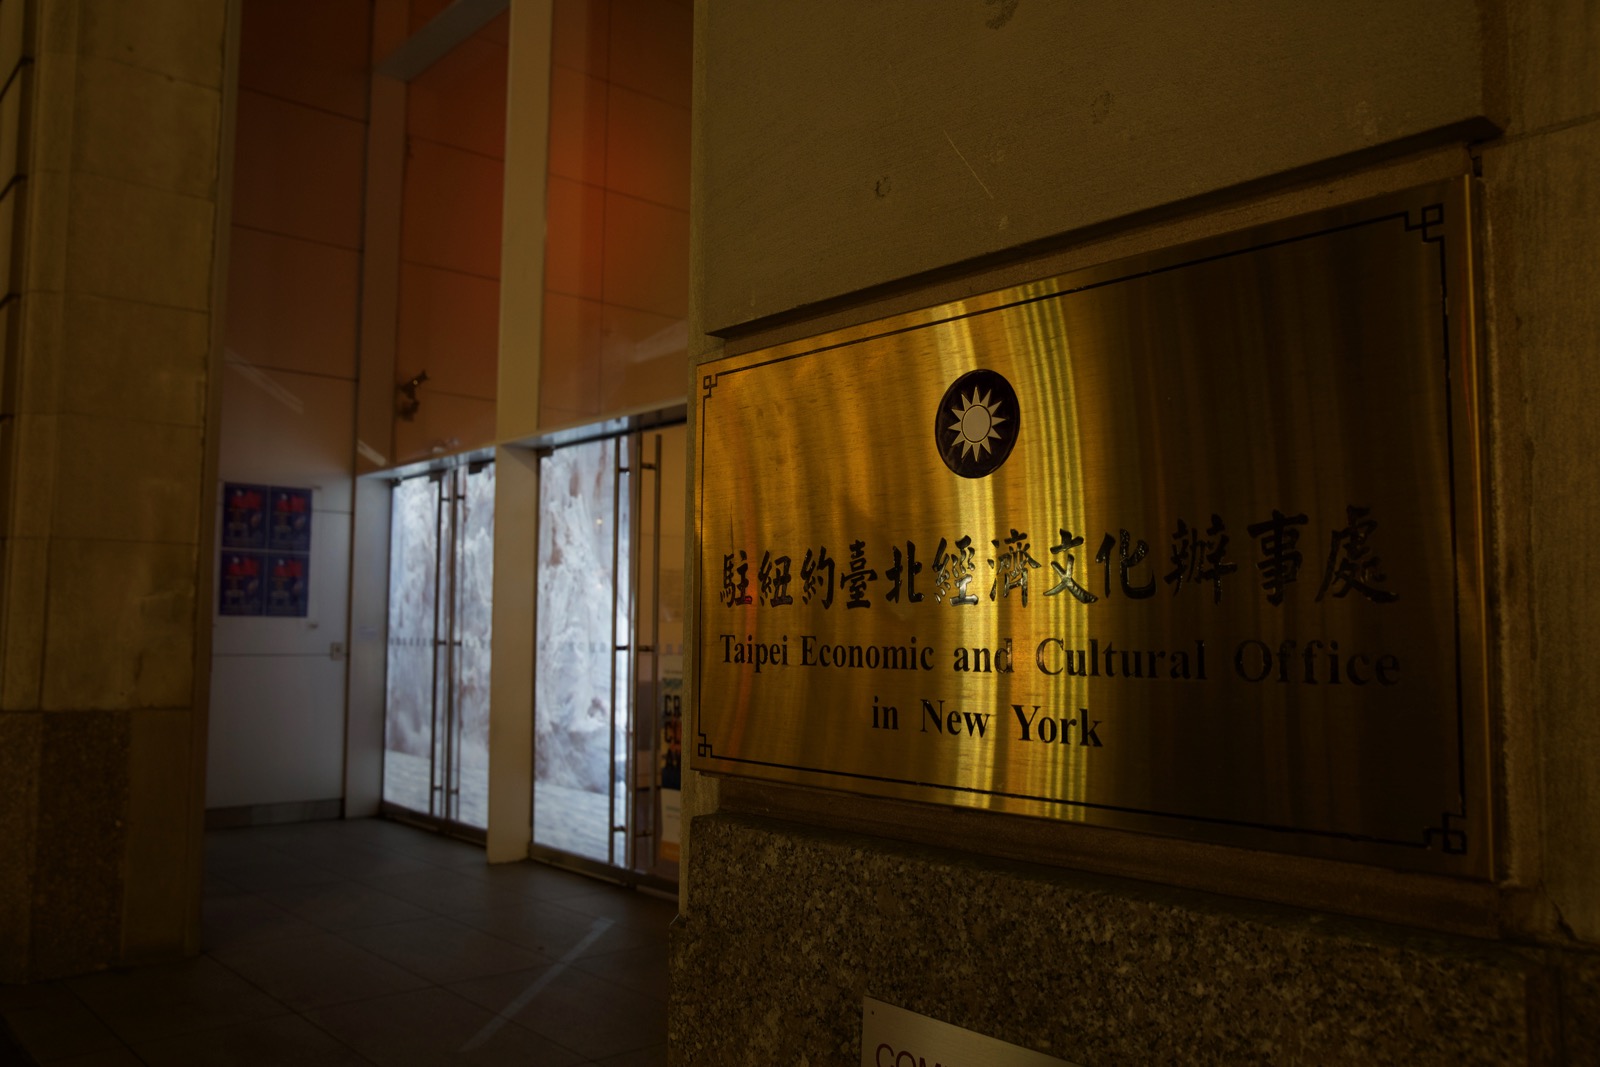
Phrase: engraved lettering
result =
(1351, 565)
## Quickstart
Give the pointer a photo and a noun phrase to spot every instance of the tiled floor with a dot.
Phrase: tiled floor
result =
(371, 942)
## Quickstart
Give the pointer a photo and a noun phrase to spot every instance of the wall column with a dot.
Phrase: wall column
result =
(114, 148)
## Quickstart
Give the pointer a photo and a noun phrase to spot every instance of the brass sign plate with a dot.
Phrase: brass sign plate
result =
(1188, 545)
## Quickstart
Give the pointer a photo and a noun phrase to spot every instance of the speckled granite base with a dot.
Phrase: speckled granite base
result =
(787, 927)
(63, 824)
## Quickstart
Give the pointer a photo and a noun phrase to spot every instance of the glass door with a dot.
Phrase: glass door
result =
(436, 720)
(605, 620)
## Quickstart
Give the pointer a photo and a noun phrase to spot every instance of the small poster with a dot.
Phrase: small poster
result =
(241, 586)
(671, 764)
(290, 520)
(265, 565)
(244, 516)
(288, 580)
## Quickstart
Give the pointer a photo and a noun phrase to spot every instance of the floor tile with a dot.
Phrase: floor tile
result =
(654, 1056)
(38, 995)
(357, 862)
(431, 848)
(434, 1026)
(344, 905)
(443, 950)
(168, 999)
(552, 930)
(576, 1010)
(537, 880)
(332, 943)
(320, 969)
(62, 1028)
(119, 1057)
(641, 911)
(288, 1039)
(448, 892)
(639, 970)
(214, 886)
(239, 920)
(268, 871)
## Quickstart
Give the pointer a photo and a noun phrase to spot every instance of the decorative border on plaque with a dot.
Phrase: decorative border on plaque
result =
(1444, 830)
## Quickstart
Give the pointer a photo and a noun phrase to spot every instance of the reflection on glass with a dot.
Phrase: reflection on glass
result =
(441, 573)
(408, 712)
(582, 590)
(475, 569)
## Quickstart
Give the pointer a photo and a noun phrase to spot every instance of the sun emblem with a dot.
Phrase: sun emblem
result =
(975, 423)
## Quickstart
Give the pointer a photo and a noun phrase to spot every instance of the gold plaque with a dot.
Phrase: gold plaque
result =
(1186, 544)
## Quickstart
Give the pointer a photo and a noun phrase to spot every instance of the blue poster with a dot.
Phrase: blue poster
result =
(290, 520)
(265, 565)
(242, 588)
(244, 515)
(288, 584)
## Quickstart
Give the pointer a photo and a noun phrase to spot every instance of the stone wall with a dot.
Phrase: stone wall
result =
(852, 164)
(113, 136)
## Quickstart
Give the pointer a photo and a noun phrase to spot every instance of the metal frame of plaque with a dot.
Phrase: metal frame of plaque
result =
(1187, 544)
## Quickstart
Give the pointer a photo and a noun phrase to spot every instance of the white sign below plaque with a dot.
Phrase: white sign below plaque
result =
(895, 1037)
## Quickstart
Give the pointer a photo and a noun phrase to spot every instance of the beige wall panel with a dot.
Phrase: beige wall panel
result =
(642, 359)
(647, 154)
(516, 519)
(103, 338)
(46, 233)
(461, 100)
(423, 11)
(523, 245)
(277, 730)
(651, 44)
(27, 570)
(1550, 50)
(138, 243)
(127, 480)
(298, 171)
(448, 326)
(313, 52)
(576, 220)
(10, 204)
(851, 145)
(11, 125)
(51, 131)
(498, 29)
(40, 329)
(367, 666)
(12, 44)
(327, 606)
(144, 127)
(1543, 275)
(577, 126)
(180, 40)
(444, 423)
(120, 629)
(10, 313)
(452, 209)
(288, 429)
(155, 908)
(32, 448)
(292, 304)
(646, 256)
(581, 35)
(572, 339)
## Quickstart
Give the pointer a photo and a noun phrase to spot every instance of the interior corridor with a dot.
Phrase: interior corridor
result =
(373, 942)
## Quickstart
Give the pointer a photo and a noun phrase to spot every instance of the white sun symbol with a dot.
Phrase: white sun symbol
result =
(975, 423)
